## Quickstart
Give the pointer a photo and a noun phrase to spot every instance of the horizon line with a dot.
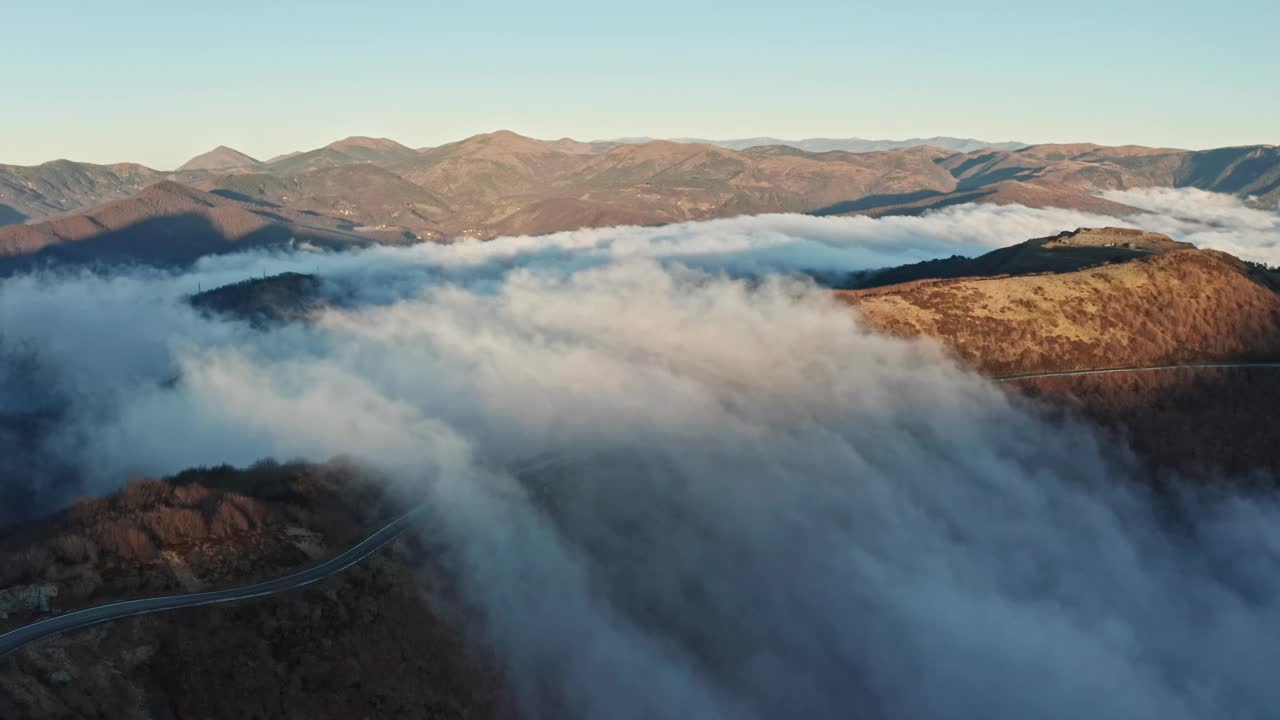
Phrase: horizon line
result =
(637, 139)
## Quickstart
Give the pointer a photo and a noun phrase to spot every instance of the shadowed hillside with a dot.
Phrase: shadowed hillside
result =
(165, 224)
(264, 301)
(1200, 423)
(1065, 252)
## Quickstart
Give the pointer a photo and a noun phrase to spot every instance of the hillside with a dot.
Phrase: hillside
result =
(1158, 302)
(350, 151)
(1202, 423)
(39, 191)
(1177, 306)
(856, 145)
(1068, 176)
(1065, 252)
(166, 223)
(361, 194)
(365, 639)
(1247, 171)
(264, 301)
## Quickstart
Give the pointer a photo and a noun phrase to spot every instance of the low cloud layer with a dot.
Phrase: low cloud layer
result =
(1209, 220)
(747, 505)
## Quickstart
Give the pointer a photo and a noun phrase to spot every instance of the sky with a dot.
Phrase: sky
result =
(159, 82)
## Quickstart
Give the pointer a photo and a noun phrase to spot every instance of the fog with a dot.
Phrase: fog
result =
(1210, 220)
(744, 505)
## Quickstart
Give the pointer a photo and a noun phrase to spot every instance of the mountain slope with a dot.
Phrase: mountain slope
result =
(39, 191)
(1065, 252)
(1250, 171)
(501, 181)
(1171, 306)
(1166, 304)
(362, 194)
(855, 145)
(350, 151)
(164, 224)
(367, 638)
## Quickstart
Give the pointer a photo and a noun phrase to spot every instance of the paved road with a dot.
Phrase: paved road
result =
(15, 639)
(1106, 371)
(11, 641)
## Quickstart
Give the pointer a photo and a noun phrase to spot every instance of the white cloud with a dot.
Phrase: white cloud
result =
(1209, 220)
(763, 510)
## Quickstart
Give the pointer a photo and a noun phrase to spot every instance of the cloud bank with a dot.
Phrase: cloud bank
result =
(750, 506)
(1209, 220)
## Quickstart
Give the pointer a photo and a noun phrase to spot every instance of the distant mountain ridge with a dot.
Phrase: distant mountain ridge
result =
(853, 144)
(503, 183)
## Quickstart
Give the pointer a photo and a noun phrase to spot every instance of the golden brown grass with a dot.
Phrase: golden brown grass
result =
(1183, 306)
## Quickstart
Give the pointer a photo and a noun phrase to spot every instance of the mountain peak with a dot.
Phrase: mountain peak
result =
(219, 158)
(361, 141)
(508, 140)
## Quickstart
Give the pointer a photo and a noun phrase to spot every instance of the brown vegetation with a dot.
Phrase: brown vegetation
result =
(1161, 304)
(505, 183)
(1175, 307)
(364, 643)
(225, 523)
(1205, 423)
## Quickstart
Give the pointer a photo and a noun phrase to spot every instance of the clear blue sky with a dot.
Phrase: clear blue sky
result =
(158, 82)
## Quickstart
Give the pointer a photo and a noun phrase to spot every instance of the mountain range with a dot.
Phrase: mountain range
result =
(503, 183)
(857, 145)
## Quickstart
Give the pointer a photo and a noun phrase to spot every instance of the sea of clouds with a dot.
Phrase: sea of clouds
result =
(747, 505)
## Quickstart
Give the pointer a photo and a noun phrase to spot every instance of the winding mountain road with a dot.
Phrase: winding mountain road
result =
(16, 639)
(1107, 371)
